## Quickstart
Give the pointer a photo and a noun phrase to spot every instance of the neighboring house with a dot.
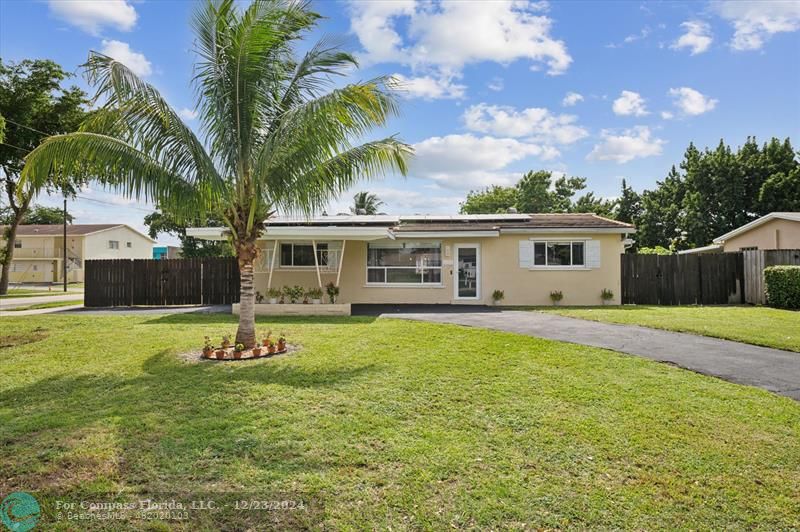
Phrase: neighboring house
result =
(443, 259)
(39, 250)
(166, 252)
(776, 230)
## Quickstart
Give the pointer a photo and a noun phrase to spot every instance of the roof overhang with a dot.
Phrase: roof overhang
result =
(567, 230)
(445, 234)
(300, 233)
(713, 248)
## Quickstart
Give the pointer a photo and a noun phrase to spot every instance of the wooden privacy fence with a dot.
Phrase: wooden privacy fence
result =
(754, 263)
(126, 282)
(714, 279)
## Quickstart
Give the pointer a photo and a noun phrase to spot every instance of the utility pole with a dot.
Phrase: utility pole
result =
(64, 258)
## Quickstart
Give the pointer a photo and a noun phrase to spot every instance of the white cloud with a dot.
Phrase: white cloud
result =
(666, 115)
(463, 162)
(692, 102)
(632, 38)
(697, 37)
(496, 85)
(755, 21)
(631, 144)
(571, 98)
(121, 51)
(429, 88)
(629, 103)
(535, 123)
(446, 36)
(92, 15)
(187, 114)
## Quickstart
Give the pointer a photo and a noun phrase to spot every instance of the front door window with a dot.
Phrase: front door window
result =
(467, 280)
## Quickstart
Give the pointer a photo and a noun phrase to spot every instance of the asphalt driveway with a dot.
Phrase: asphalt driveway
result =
(771, 369)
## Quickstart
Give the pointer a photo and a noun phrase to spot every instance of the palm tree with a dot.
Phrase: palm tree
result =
(274, 136)
(365, 203)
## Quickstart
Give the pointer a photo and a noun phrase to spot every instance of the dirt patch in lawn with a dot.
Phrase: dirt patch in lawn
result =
(13, 340)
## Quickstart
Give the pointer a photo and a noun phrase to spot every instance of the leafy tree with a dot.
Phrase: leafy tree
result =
(274, 136)
(33, 105)
(629, 206)
(533, 192)
(662, 212)
(492, 200)
(37, 215)
(589, 203)
(365, 203)
(161, 222)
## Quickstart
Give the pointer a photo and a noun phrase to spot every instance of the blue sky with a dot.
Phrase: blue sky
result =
(603, 90)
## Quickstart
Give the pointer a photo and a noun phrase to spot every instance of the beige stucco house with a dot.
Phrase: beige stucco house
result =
(776, 230)
(39, 250)
(443, 259)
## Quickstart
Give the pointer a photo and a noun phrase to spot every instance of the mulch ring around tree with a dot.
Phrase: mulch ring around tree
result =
(247, 355)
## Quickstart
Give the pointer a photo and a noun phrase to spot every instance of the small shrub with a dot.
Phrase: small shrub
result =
(274, 293)
(657, 250)
(315, 293)
(783, 286)
(259, 297)
(606, 294)
(293, 293)
(333, 291)
(556, 296)
(498, 296)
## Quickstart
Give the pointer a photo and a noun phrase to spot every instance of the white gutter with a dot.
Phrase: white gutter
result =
(299, 233)
(445, 234)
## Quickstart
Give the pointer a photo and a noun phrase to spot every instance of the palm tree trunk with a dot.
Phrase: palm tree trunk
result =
(246, 253)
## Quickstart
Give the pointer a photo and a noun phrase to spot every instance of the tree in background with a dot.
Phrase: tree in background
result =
(160, 222)
(629, 205)
(34, 105)
(365, 203)
(276, 136)
(37, 215)
(536, 192)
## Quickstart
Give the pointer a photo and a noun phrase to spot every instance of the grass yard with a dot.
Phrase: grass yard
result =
(14, 293)
(753, 325)
(385, 423)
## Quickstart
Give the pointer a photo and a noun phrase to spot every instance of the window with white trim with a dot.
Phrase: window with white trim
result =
(566, 253)
(411, 263)
(113, 244)
(301, 254)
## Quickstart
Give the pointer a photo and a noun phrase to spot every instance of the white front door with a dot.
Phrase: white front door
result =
(468, 271)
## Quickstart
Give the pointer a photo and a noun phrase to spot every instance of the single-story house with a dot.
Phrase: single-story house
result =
(443, 259)
(39, 249)
(776, 230)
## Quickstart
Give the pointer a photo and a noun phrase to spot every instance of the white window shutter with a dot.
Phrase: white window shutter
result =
(525, 254)
(592, 253)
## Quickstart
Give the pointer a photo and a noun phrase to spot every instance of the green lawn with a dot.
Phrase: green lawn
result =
(38, 292)
(753, 325)
(386, 423)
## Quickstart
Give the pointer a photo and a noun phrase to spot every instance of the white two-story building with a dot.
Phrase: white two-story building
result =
(39, 249)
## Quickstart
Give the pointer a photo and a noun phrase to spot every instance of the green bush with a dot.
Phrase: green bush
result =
(783, 286)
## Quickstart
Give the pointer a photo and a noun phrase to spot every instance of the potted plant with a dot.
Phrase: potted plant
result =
(281, 343)
(220, 353)
(556, 296)
(606, 295)
(273, 294)
(305, 298)
(256, 351)
(265, 342)
(226, 341)
(271, 347)
(293, 293)
(259, 297)
(497, 296)
(333, 292)
(208, 349)
(237, 351)
(316, 295)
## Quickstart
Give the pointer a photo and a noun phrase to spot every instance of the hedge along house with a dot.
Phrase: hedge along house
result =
(443, 259)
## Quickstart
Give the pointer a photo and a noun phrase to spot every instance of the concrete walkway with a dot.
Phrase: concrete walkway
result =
(34, 312)
(772, 369)
(13, 302)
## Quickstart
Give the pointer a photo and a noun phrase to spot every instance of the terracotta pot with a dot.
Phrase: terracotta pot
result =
(271, 349)
(281, 345)
(220, 354)
(256, 352)
(237, 355)
(265, 342)
(207, 352)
